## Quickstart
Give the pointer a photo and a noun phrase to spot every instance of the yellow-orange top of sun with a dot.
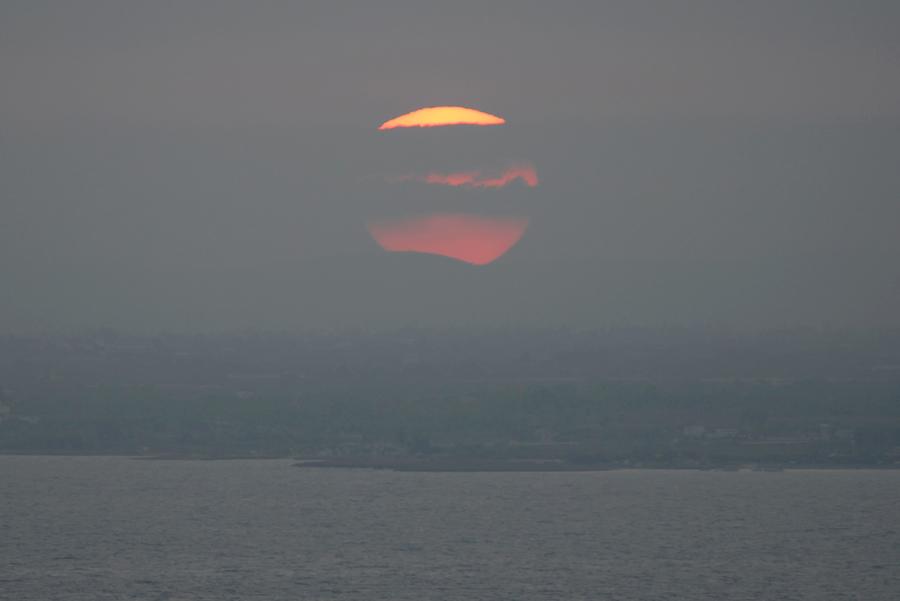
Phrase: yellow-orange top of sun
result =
(436, 116)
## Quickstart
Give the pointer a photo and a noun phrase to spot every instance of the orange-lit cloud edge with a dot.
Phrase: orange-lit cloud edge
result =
(473, 239)
(476, 179)
(438, 116)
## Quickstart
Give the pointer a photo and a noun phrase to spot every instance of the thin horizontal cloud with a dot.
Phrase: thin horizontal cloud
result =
(477, 179)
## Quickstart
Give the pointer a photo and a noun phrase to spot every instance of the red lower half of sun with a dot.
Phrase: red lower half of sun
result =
(473, 239)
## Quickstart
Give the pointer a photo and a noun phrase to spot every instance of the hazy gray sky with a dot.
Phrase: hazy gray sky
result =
(211, 165)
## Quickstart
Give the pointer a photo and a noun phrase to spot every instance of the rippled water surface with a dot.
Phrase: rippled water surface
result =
(97, 528)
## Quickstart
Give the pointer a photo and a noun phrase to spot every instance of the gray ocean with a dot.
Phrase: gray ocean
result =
(97, 528)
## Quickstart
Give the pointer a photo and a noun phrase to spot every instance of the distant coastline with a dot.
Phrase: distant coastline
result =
(467, 464)
(450, 464)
